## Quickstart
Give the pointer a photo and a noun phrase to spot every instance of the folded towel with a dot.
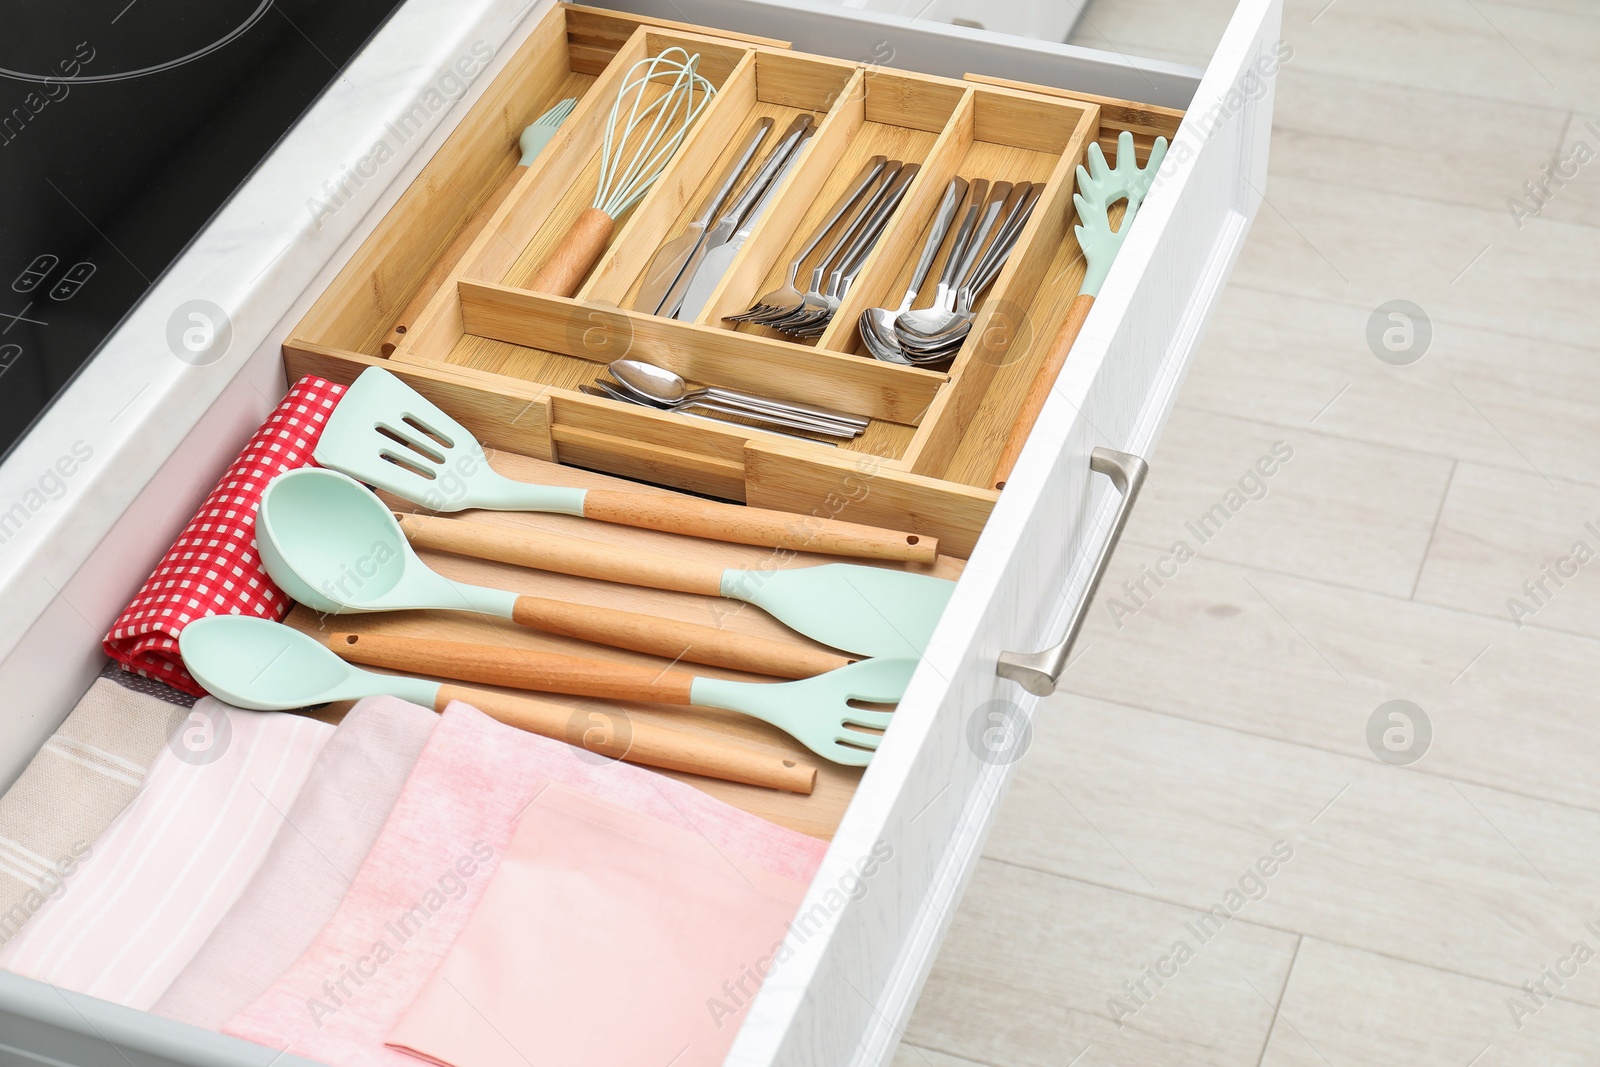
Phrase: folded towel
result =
(213, 568)
(606, 939)
(319, 848)
(431, 864)
(172, 864)
(89, 770)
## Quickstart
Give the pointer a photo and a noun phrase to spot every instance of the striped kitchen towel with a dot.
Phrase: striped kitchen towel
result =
(84, 775)
(171, 865)
(432, 863)
(321, 846)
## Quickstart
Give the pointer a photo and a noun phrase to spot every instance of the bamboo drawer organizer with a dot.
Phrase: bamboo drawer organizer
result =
(507, 361)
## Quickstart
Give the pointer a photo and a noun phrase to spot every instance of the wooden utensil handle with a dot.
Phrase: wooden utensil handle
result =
(621, 737)
(674, 640)
(562, 555)
(756, 526)
(447, 262)
(516, 668)
(1039, 391)
(585, 242)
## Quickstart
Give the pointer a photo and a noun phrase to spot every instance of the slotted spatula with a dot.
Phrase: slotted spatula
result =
(814, 711)
(387, 434)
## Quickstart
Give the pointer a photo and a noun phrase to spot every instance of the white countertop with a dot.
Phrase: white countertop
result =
(106, 437)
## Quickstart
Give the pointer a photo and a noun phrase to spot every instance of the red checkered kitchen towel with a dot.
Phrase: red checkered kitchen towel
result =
(213, 569)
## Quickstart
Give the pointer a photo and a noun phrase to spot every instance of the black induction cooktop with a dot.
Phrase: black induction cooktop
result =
(124, 126)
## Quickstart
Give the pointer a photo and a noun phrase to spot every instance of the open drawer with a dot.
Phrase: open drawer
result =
(450, 261)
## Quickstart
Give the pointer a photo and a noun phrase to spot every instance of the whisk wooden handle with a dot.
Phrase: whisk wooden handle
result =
(516, 668)
(621, 737)
(674, 640)
(585, 242)
(1039, 391)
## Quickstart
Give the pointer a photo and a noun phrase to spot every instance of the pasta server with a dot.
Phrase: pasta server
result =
(1099, 187)
(385, 433)
(814, 711)
(267, 666)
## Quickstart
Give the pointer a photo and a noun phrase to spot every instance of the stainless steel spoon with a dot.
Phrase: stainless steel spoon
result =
(877, 324)
(668, 387)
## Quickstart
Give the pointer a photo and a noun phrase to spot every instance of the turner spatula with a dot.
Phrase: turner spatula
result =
(817, 712)
(871, 611)
(385, 433)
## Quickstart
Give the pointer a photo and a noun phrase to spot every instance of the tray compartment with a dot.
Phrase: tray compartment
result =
(557, 187)
(997, 136)
(775, 85)
(427, 231)
(517, 358)
(881, 113)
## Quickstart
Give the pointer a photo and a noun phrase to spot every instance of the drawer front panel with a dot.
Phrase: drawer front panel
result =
(855, 965)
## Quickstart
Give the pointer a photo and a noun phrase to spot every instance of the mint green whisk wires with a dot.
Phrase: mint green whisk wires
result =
(666, 121)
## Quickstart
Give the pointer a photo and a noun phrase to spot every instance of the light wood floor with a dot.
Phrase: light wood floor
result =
(1228, 713)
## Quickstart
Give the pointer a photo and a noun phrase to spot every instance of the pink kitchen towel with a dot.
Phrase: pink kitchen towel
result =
(321, 845)
(606, 939)
(170, 866)
(213, 568)
(432, 863)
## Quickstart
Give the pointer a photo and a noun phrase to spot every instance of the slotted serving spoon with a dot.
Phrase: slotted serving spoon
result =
(871, 611)
(1099, 187)
(332, 546)
(385, 433)
(816, 711)
(267, 666)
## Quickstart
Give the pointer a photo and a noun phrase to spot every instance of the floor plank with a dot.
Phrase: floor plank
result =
(1517, 546)
(1033, 960)
(1573, 190)
(1348, 1007)
(1483, 49)
(1307, 662)
(1462, 878)
(1458, 264)
(1291, 500)
(1413, 141)
(1490, 398)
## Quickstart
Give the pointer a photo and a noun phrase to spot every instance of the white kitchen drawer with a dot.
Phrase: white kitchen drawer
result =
(936, 784)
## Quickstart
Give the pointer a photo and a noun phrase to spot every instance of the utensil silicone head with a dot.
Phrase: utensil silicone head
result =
(267, 666)
(388, 435)
(1101, 186)
(333, 546)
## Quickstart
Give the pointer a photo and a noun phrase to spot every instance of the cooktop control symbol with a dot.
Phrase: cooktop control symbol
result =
(36, 272)
(72, 281)
(8, 356)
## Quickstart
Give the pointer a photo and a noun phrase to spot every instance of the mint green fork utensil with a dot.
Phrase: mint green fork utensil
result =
(817, 712)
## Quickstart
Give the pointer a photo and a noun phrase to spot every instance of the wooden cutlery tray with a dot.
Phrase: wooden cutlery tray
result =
(507, 361)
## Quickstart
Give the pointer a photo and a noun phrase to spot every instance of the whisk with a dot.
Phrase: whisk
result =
(658, 128)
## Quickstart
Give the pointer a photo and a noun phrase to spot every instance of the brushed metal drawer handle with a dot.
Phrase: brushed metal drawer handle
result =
(1038, 672)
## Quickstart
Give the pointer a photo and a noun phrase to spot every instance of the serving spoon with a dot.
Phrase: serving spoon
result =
(332, 545)
(266, 666)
